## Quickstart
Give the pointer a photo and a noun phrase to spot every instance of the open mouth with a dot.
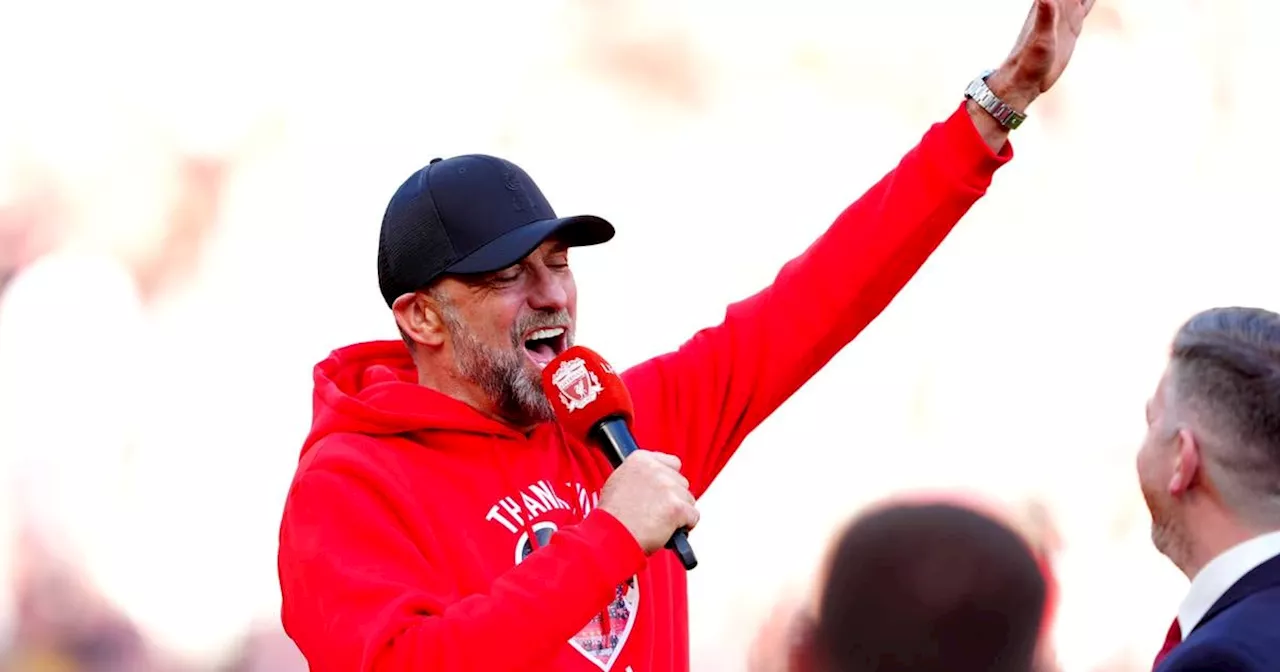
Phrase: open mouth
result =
(543, 345)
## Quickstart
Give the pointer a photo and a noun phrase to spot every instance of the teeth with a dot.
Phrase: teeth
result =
(541, 334)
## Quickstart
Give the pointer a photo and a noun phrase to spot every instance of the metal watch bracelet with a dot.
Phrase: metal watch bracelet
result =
(1002, 112)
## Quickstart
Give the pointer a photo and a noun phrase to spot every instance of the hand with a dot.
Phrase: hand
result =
(649, 496)
(1042, 52)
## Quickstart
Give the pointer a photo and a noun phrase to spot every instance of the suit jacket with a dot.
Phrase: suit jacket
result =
(1241, 631)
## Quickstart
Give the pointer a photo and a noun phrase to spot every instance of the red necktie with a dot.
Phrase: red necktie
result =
(1171, 640)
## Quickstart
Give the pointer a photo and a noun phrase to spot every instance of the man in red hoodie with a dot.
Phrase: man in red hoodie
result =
(441, 520)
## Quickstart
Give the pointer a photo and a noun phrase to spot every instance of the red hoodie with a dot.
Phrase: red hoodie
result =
(417, 533)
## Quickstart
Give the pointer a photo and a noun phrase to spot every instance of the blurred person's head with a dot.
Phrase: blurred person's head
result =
(474, 264)
(63, 616)
(916, 587)
(1209, 467)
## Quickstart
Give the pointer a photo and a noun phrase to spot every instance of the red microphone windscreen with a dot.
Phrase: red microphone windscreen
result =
(583, 390)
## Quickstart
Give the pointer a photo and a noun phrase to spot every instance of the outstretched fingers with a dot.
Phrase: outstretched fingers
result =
(1046, 16)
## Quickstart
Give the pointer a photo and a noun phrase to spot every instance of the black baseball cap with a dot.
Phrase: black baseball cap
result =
(469, 214)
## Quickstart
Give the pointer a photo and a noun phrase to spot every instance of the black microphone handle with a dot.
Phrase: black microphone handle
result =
(616, 436)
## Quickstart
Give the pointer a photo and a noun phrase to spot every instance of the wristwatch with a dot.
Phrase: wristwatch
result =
(980, 93)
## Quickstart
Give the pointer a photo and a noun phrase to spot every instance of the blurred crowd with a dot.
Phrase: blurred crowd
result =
(187, 224)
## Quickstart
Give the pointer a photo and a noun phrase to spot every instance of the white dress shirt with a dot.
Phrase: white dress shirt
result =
(1217, 577)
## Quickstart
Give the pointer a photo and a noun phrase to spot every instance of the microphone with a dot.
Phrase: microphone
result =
(592, 403)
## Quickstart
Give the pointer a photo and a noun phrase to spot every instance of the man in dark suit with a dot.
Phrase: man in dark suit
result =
(1210, 473)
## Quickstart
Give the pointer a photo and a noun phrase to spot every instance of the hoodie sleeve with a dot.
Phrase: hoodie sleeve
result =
(702, 400)
(358, 595)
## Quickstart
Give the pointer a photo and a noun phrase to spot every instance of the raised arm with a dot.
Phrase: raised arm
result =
(701, 400)
(705, 397)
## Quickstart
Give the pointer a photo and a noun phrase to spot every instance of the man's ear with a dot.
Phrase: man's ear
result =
(1186, 464)
(419, 319)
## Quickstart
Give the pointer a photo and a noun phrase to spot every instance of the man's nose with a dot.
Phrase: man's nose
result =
(549, 292)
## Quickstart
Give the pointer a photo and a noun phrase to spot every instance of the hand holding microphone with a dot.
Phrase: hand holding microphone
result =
(646, 493)
(649, 496)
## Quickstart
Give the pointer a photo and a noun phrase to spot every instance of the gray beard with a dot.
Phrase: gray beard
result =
(505, 375)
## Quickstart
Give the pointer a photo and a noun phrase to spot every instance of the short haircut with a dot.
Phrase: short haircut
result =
(1225, 372)
(929, 587)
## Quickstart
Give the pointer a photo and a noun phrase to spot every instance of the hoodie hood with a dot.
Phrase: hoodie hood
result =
(372, 389)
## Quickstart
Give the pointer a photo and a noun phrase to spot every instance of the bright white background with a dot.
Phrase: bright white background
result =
(155, 432)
